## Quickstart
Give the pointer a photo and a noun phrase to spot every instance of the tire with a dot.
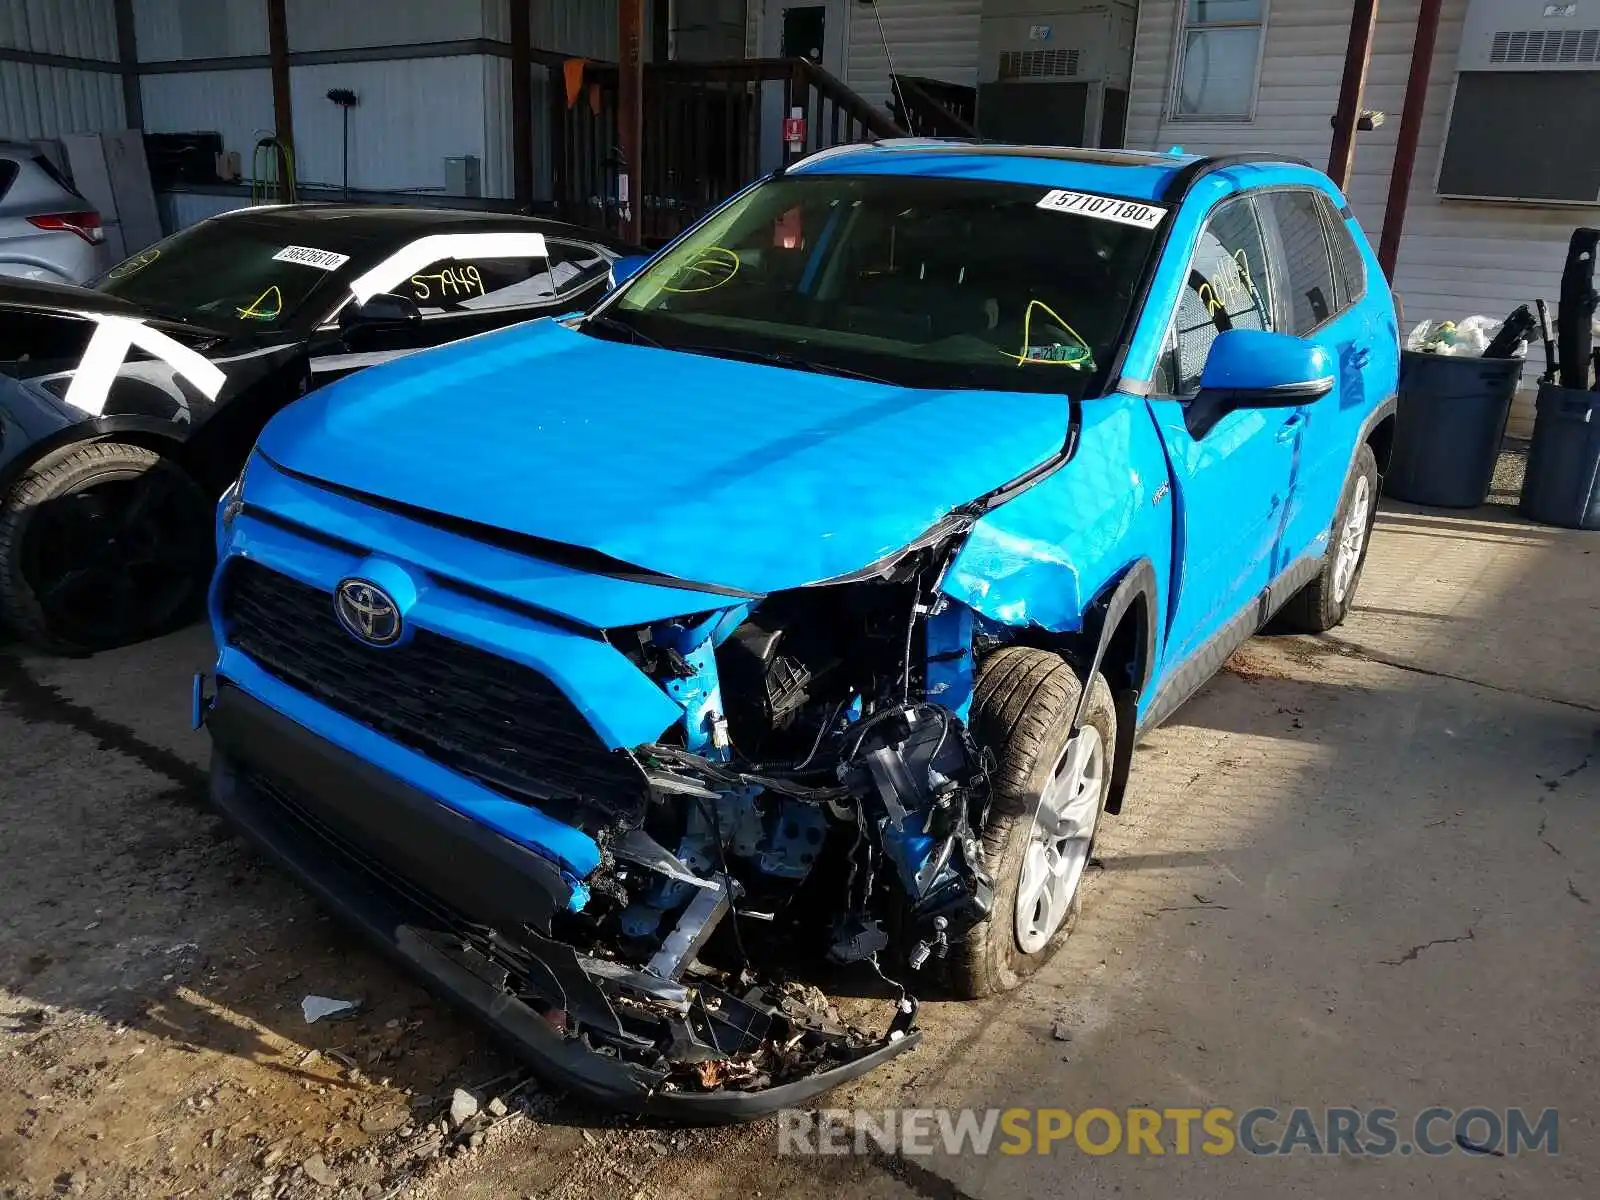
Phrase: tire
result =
(1022, 712)
(1326, 601)
(101, 545)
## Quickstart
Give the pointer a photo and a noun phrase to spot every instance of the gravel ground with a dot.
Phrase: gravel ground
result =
(1428, 778)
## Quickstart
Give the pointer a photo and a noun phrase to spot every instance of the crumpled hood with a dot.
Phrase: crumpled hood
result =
(709, 470)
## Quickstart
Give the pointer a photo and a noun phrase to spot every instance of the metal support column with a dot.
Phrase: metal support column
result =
(278, 61)
(630, 114)
(521, 103)
(1405, 150)
(1358, 53)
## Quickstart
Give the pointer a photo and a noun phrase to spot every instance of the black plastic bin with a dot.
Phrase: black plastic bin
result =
(1451, 417)
(1562, 485)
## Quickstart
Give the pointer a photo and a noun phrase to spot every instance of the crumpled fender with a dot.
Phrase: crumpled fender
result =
(1040, 559)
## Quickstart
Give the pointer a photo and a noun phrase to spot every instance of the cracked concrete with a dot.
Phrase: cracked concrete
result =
(1315, 812)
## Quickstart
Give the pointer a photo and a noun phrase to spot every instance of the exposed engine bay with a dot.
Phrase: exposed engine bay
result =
(812, 815)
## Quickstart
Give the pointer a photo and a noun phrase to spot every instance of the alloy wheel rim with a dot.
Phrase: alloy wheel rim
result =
(113, 558)
(1059, 842)
(1352, 539)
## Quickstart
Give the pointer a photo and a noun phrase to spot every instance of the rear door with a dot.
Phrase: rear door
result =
(1231, 477)
(1317, 304)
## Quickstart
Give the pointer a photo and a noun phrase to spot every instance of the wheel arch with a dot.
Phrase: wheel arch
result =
(1117, 637)
(153, 435)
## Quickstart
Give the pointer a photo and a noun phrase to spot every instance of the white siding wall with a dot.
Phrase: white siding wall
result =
(173, 29)
(340, 24)
(936, 38)
(47, 102)
(237, 104)
(413, 114)
(76, 28)
(1457, 257)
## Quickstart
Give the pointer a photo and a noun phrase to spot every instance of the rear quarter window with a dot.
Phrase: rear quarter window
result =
(8, 176)
(56, 177)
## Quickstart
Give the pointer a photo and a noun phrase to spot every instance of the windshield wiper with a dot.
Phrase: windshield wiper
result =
(778, 359)
(618, 325)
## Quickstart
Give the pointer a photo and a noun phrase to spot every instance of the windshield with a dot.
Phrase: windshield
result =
(227, 274)
(920, 282)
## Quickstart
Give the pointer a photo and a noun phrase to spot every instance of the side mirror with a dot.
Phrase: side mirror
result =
(626, 268)
(1251, 368)
(384, 311)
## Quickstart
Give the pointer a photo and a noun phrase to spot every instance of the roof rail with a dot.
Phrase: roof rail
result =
(1183, 182)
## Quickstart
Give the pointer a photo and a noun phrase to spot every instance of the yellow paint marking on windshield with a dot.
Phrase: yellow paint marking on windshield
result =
(255, 312)
(710, 262)
(137, 263)
(1055, 354)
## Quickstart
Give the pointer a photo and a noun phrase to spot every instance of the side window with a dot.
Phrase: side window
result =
(1307, 274)
(1350, 267)
(574, 266)
(1226, 289)
(451, 285)
(8, 176)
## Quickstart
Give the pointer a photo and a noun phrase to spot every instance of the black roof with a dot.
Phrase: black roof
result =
(383, 223)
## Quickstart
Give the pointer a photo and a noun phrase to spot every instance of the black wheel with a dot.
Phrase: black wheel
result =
(1326, 600)
(103, 545)
(1049, 793)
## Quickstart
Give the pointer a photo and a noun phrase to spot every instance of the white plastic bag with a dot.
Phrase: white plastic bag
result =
(1468, 337)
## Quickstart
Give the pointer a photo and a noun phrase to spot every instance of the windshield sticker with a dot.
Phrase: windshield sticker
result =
(1106, 208)
(307, 256)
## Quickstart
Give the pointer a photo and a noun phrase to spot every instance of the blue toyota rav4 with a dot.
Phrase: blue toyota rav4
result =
(804, 602)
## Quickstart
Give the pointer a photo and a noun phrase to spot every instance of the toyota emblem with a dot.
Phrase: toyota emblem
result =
(367, 612)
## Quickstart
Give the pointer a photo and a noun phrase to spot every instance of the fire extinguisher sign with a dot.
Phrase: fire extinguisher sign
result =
(794, 130)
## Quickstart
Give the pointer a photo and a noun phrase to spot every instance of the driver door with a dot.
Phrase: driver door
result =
(1232, 477)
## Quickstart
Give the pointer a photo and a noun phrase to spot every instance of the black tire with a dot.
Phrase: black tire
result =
(1318, 607)
(1022, 710)
(137, 560)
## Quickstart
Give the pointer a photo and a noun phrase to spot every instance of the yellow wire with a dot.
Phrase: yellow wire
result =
(1027, 337)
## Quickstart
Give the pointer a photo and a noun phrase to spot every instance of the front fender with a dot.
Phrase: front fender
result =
(1041, 558)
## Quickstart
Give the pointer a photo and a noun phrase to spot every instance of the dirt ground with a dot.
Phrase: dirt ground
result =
(1360, 869)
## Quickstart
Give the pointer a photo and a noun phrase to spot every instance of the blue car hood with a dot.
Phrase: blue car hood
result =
(709, 470)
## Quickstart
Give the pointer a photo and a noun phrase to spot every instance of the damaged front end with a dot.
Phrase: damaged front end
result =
(811, 817)
(653, 926)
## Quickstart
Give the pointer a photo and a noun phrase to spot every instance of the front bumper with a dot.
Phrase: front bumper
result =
(380, 852)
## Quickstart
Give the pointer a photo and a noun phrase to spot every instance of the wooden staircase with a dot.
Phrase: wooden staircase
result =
(703, 130)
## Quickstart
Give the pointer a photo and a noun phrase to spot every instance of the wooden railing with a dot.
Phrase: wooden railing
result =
(702, 135)
(934, 108)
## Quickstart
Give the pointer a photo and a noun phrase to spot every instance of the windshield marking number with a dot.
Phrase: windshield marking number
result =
(308, 256)
(1106, 208)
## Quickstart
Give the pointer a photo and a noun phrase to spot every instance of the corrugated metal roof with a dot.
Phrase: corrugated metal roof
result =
(75, 28)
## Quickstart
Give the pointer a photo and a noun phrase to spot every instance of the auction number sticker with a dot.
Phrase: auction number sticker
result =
(1107, 208)
(307, 256)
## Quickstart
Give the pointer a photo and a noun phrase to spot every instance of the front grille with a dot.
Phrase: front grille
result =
(485, 717)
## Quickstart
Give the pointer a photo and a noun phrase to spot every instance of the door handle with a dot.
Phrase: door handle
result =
(1361, 358)
(1291, 427)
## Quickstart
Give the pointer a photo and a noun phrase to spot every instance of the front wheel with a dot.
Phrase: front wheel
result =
(1049, 790)
(103, 545)
(1327, 599)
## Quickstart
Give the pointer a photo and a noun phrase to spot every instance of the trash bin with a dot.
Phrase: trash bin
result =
(1562, 484)
(1451, 417)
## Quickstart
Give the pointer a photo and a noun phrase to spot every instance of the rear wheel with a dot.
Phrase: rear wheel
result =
(1049, 791)
(1327, 599)
(103, 545)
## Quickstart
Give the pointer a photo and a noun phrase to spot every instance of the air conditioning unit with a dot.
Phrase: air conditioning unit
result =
(1525, 117)
(1055, 73)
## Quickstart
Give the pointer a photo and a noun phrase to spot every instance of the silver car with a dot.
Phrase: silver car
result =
(48, 231)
